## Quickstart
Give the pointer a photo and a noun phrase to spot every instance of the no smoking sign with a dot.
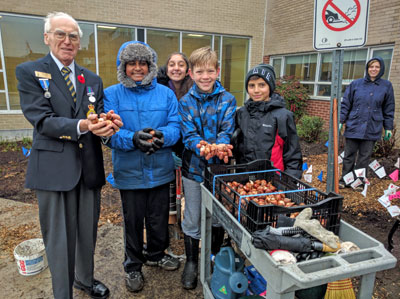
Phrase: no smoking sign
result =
(340, 24)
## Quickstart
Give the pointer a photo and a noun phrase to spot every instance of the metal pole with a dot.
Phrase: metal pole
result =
(336, 92)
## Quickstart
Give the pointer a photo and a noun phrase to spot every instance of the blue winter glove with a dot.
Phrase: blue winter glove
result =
(388, 134)
(177, 160)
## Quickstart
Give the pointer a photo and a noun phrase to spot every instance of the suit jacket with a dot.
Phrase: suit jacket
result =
(59, 157)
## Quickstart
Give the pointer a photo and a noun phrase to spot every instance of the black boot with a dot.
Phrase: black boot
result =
(189, 275)
(217, 238)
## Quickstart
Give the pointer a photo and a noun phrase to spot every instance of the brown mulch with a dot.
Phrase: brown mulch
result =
(12, 237)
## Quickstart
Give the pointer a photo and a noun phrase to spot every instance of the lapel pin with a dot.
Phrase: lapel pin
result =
(81, 79)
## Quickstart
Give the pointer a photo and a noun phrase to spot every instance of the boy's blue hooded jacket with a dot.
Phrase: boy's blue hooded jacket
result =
(141, 105)
(367, 106)
(204, 116)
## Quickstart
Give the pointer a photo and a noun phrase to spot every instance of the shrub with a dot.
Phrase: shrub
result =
(385, 148)
(310, 128)
(295, 95)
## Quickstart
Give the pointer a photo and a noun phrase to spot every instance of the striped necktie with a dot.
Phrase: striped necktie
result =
(65, 72)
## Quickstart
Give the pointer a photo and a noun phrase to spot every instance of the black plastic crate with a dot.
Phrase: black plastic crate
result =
(218, 169)
(326, 207)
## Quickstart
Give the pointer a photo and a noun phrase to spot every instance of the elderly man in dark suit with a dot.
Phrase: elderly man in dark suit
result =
(62, 100)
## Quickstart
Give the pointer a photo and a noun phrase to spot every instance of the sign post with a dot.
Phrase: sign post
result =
(336, 93)
(338, 24)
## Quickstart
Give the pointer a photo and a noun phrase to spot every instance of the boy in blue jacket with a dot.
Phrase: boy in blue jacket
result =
(207, 112)
(142, 158)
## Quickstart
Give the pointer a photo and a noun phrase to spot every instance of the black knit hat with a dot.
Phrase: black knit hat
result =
(264, 71)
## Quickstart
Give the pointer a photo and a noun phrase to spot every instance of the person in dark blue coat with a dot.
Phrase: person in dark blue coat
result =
(367, 107)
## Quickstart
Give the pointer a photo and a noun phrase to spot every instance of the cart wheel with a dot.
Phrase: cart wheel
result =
(390, 235)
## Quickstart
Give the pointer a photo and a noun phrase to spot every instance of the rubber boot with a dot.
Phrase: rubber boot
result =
(217, 238)
(189, 275)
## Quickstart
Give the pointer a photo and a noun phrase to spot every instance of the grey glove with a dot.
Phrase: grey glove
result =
(140, 140)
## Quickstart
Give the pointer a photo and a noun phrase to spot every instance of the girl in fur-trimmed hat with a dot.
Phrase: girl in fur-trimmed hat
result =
(142, 158)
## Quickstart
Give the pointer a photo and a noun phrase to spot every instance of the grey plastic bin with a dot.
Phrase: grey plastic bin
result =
(284, 280)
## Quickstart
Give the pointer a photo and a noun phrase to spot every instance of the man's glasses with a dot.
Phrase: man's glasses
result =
(61, 35)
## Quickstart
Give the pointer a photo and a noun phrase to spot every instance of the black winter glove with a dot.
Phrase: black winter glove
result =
(158, 141)
(140, 140)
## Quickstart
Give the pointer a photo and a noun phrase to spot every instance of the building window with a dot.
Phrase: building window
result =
(386, 55)
(3, 100)
(234, 65)
(325, 70)
(22, 40)
(302, 67)
(354, 65)
(217, 46)
(164, 43)
(277, 63)
(315, 70)
(86, 56)
(109, 40)
(193, 41)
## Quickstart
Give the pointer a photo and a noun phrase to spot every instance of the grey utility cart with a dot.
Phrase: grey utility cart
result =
(284, 280)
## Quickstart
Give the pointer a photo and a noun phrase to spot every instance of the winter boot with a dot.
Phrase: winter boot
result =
(189, 275)
(217, 238)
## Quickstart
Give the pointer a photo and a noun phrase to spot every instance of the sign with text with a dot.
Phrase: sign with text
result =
(340, 24)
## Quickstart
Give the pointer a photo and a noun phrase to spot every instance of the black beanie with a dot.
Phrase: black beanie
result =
(264, 71)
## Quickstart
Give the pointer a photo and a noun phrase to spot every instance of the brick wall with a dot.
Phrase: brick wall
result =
(13, 122)
(319, 108)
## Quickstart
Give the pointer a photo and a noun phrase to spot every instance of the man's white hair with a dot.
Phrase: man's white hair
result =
(56, 14)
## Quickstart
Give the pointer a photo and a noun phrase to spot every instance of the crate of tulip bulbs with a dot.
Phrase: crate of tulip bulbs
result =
(256, 197)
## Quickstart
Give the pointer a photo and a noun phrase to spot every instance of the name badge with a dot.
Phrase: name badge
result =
(42, 75)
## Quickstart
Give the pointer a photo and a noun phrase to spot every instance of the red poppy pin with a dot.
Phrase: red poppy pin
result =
(81, 79)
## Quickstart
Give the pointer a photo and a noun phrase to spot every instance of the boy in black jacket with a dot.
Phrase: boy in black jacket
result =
(265, 129)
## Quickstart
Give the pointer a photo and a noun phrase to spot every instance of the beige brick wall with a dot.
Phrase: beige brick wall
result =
(289, 29)
(13, 122)
(231, 17)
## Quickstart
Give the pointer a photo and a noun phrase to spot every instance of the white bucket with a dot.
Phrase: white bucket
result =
(31, 257)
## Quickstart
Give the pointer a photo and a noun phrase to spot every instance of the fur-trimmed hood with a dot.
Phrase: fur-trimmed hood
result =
(136, 50)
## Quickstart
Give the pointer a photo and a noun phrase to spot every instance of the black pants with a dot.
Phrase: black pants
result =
(151, 205)
(360, 149)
